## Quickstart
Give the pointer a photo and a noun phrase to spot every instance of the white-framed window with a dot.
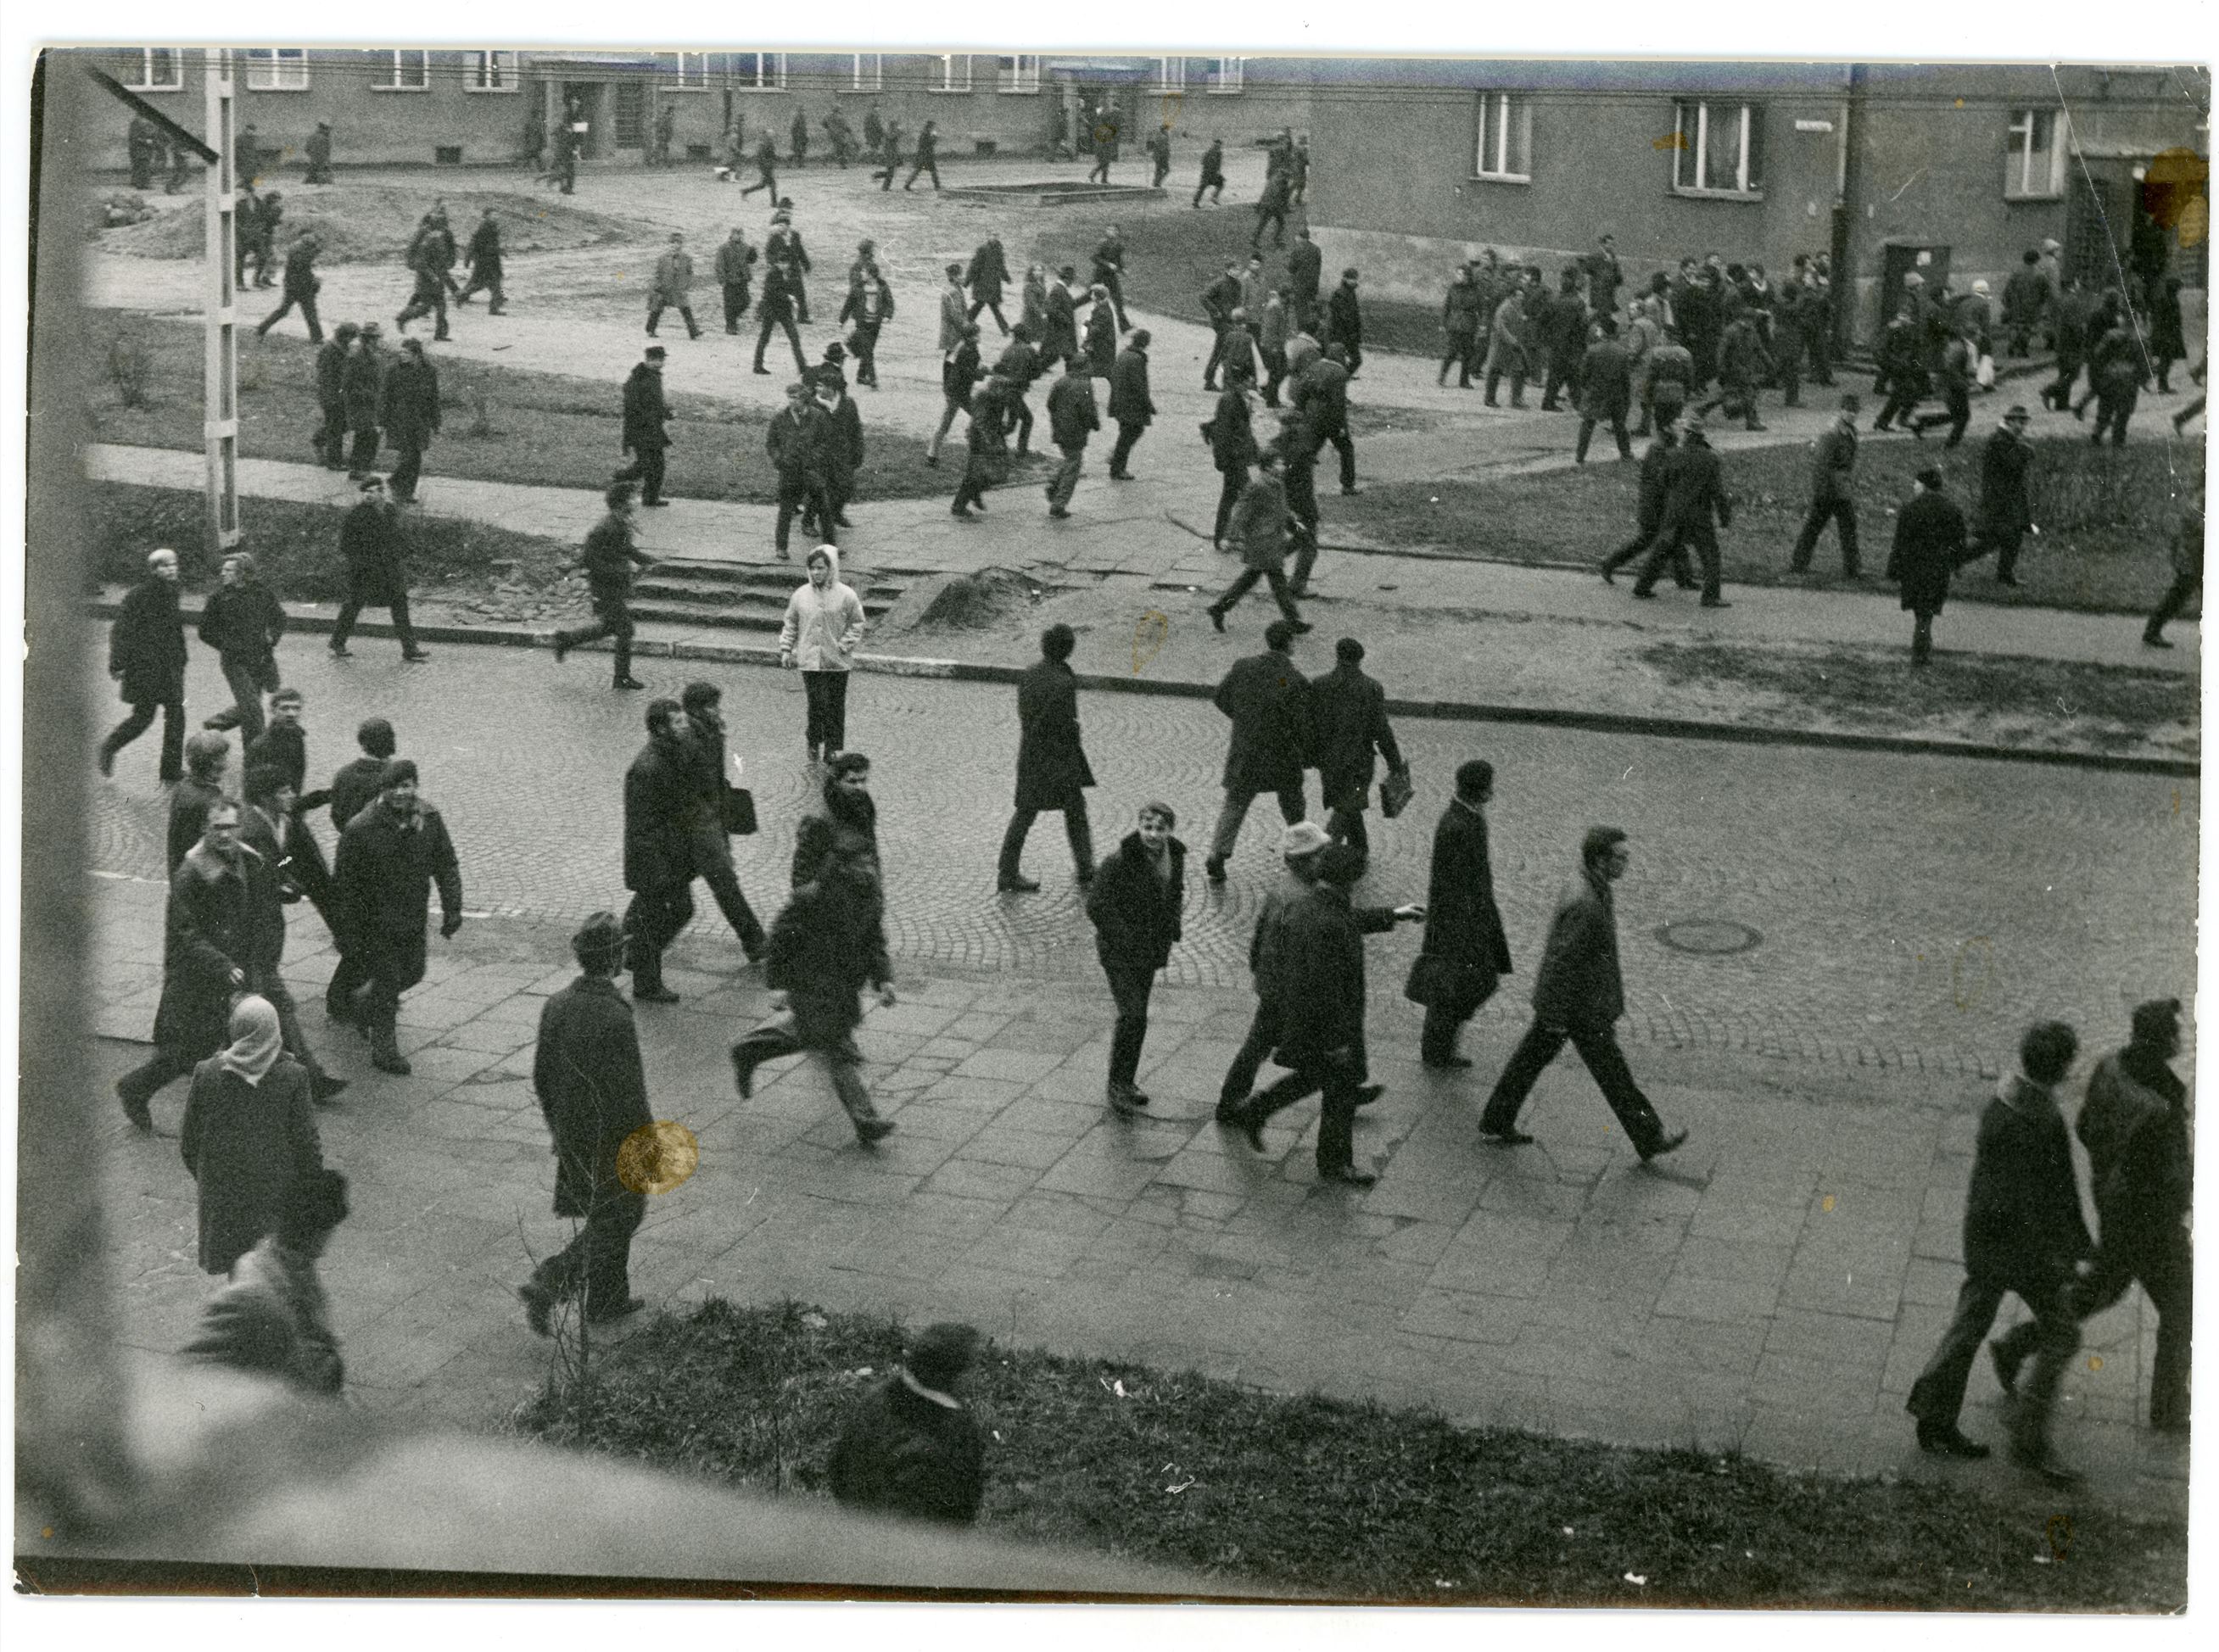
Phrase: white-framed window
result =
(408, 70)
(689, 72)
(1020, 73)
(1505, 147)
(954, 73)
(763, 71)
(1218, 74)
(277, 69)
(1718, 148)
(2034, 165)
(1171, 74)
(493, 72)
(161, 69)
(869, 74)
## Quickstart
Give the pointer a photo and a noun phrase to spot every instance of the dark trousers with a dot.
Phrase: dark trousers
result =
(1598, 1047)
(1559, 375)
(1842, 513)
(1157, 173)
(1616, 430)
(141, 719)
(926, 164)
(1788, 363)
(737, 296)
(598, 1259)
(765, 179)
(2051, 1337)
(2176, 597)
(1450, 1009)
(2166, 1269)
(351, 611)
(364, 460)
(386, 968)
(1344, 445)
(826, 693)
(488, 282)
(1128, 434)
(308, 303)
(1670, 545)
(1023, 416)
(408, 468)
(1957, 413)
(1922, 636)
(1246, 582)
(1115, 283)
(1076, 826)
(949, 407)
(1343, 824)
(2059, 391)
(248, 679)
(866, 340)
(1130, 986)
(841, 1061)
(428, 300)
(1459, 356)
(1291, 809)
(685, 315)
(1644, 535)
(802, 492)
(610, 619)
(770, 320)
(1337, 1074)
(1064, 482)
(1738, 399)
(646, 469)
(2005, 541)
(1101, 172)
(332, 440)
(168, 1062)
(712, 865)
(978, 471)
(1517, 385)
(2112, 411)
(1277, 218)
(1901, 399)
(651, 922)
(1216, 184)
(1248, 1061)
(1275, 375)
(1228, 495)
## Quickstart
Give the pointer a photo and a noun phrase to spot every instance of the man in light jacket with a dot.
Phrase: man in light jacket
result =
(823, 627)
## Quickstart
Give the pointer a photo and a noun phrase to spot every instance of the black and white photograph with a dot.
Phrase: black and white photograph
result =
(1489, 899)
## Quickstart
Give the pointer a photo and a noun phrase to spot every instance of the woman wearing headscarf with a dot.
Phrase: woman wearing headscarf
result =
(249, 1136)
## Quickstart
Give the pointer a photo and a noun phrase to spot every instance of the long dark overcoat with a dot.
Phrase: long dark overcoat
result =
(1052, 767)
(591, 1088)
(146, 646)
(247, 1146)
(1929, 543)
(1268, 700)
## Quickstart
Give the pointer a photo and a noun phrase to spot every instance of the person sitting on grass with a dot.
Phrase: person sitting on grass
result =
(910, 1447)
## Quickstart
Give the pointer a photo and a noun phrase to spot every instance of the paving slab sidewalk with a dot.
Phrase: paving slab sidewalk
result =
(1772, 1288)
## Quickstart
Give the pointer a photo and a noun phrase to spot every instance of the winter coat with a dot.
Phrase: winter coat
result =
(1649, 496)
(823, 949)
(247, 1146)
(2004, 462)
(370, 544)
(1061, 338)
(1272, 336)
(1305, 264)
(242, 624)
(189, 803)
(1605, 381)
(2024, 1226)
(1232, 432)
(1460, 310)
(1052, 767)
(1135, 913)
(1319, 983)
(409, 408)
(1833, 464)
(988, 274)
(272, 1317)
(674, 281)
(1695, 488)
(384, 874)
(364, 379)
(593, 1090)
(735, 261)
(332, 358)
(1929, 543)
(147, 645)
(1129, 402)
(2026, 294)
(794, 439)
(211, 926)
(1260, 522)
(1213, 162)
(608, 558)
(646, 412)
(1348, 723)
(2134, 1126)
(2166, 342)
(354, 788)
(1034, 314)
(1268, 701)
(822, 629)
(1320, 394)
(1071, 415)
(901, 1452)
(1102, 338)
(1343, 319)
(485, 249)
(1579, 984)
(659, 794)
(842, 449)
(1463, 924)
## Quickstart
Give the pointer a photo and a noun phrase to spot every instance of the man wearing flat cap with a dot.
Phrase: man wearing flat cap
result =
(390, 856)
(910, 1447)
(2007, 509)
(1930, 545)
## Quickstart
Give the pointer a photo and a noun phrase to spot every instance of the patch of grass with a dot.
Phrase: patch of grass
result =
(297, 546)
(2106, 516)
(1349, 1500)
(367, 223)
(549, 429)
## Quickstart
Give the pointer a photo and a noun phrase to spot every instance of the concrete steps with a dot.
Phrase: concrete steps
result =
(727, 596)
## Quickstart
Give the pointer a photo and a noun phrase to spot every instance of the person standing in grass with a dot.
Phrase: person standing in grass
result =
(1833, 491)
(410, 412)
(910, 1447)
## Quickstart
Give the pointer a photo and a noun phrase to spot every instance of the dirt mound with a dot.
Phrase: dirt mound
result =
(975, 601)
(374, 224)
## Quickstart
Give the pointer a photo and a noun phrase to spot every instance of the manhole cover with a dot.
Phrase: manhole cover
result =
(1713, 937)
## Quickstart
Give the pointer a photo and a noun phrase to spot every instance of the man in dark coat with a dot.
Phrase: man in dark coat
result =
(1605, 390)
(356, 784)
(1579, 995)
(242, 621)
(927, 156)
(1344, 323)
(1259, 527)
(1348, 725)
(1052, 768)
(609, 556)
(734, 259)
(1303, 850)
(1130, 404)
(300, 287)
(1930, 545)
(796, 438)
(1833, 491)
(409, 410)
(1213, 174)
(2024, 1234)
(484, 264)
(2187, 575)
(1271, 209)
(1110, 271)
(841, 136)
(320, 153)
(1695, 498)
(146, 657)
(1305, 269)
(1320, 393)
(646, 411)
(592, 1085)
(1134, 904)
(1563, 329)
(2007, 509)
(1062, 342)
(429, 255)
(910, 1447)
(1267, 700)
(390, 856)
(706, 823)
(210, 934)
(371, 545)
(331, 438)
(1101, 344)
(766, 168)
(840, 452)
(2116, 377)
(1953, 369)
(1320, 991)
(1232, 448)
(142, 140)
(775, 309)
(363, 385)
(2134, 1126)
(660, 794)
(1466, 951)
(1649, 511)
(1159, 154)
(1072, 419)
(1743, 365)
(1460, 322)
(988, 273)
(1219, 301)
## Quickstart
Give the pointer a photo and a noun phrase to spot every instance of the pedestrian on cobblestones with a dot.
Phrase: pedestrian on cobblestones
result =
(827, 945)
(1321, 994)
(284, 746)
(822, 629)
(646, 413)
(1072, 419)
(271, 1317)
(1930, 546)
(662, 791)
(373, 548)
(242, 621)
(146, 657)
(592, 1085)
(206, 756)
(357, 785)
(608, 558)
(1466, 951)
(2141, 1169)
(1348, 725)
(910, 1447)
(1052, 767)
(711, 815)
(1579, 995)
(270, 828)
(1301, 849)
(249, 1136)
(390, 856)
(1833, 492)
(1134, 904)
(2024, 1235)
(209, 931)
(1268, 701)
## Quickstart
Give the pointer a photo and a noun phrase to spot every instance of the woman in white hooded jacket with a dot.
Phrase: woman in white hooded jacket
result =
(824, 626)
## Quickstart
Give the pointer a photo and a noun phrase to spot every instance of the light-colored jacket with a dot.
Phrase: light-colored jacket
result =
(823, 628)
